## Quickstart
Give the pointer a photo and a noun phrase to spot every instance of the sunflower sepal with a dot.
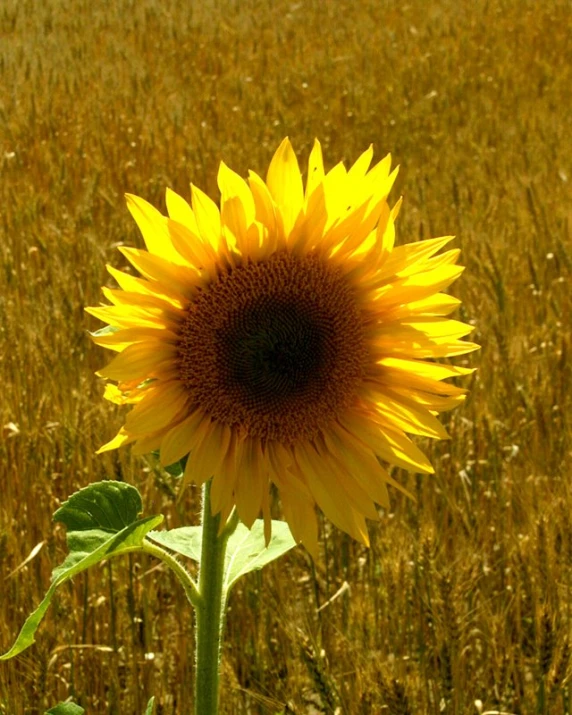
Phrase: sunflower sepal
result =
(176, 469)
(106, 330)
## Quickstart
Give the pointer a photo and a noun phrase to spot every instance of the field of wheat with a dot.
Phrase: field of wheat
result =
(463, 602)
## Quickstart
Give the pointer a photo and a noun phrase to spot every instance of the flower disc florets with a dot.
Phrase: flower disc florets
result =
(274, 349)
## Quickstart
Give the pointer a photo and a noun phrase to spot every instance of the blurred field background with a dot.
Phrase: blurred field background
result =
(466, 594)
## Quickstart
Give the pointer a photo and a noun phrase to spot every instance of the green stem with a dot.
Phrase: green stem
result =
(210, 610)
(180, 571)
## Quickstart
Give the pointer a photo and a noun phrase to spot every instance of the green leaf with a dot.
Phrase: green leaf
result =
(177, 469)
(65, 709)
(102, 522)
(150, 707)
(186, 540)
(104, 505)
(246, 549)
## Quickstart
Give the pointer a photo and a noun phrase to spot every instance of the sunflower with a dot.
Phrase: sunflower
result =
(283, 339)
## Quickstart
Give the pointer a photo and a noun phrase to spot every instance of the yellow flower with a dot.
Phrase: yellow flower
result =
(284, 339)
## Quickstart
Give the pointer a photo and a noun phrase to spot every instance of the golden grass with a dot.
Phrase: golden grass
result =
(464, 595)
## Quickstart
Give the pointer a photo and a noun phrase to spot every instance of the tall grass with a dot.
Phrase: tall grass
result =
(465, 594)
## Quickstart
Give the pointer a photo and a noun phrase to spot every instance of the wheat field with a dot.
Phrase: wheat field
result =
(462, 605)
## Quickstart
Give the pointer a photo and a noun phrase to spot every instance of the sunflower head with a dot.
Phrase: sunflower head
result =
(283, 338)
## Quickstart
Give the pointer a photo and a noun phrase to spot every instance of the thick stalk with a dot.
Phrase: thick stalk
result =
(210, 610)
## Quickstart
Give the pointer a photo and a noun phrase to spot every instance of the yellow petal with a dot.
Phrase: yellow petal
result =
(360, 463)
(422, 338)
(223, 483)
(360, 167)
(343, 227)
(403, 414)
(122, 297)
(199, 255)
(263, 202)
(139, 360)
(438, 329)
(232, 185)
(439, 304)
(251, 482)
(148, 443)
(431, 402)
(120, 439)
(416, 287)
(208, 217)
(315, 169)
(209, 453)
(371, 473)
(233, 219)
(121, 339)
(343, 480)
(178, 441)
(122, 394)
(132, 284)
(336, 191)
(157, 410)
(445, 259)
(426, 370)
(391, 445)
(180, 278)
(281, 462)
(153, 227)
(386, 230)
(385, 234)
(404, 258)
(128, 316)
(266, 515)
(285, 184)
(333, 502)
(113, 394)
(300, 514)
(309, 229)
(391, 377)
(180, 211)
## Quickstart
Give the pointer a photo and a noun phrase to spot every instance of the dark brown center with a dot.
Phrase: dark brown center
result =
(274, 349)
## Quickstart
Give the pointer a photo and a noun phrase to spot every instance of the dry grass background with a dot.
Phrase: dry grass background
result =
(465, 595)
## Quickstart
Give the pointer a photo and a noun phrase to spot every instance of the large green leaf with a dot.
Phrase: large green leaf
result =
(246, 549)
(104, 505)
(185, 540)
(150, 707)
(65, 709)
(102, 522)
